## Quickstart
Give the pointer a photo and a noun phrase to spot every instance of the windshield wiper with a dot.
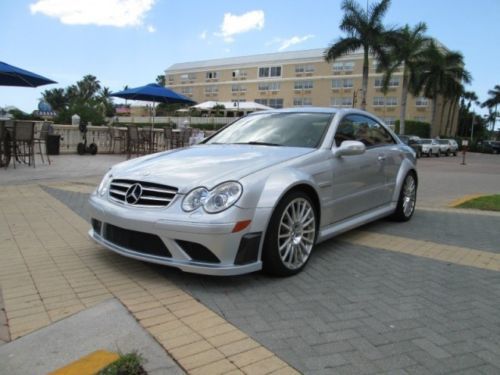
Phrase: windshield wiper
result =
(258, 143)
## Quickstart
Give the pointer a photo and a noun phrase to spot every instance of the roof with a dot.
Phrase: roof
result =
(305, 55)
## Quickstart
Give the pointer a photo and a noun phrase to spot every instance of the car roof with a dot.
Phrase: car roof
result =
(330, 110)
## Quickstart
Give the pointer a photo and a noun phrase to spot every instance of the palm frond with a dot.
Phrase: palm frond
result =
(341, 47)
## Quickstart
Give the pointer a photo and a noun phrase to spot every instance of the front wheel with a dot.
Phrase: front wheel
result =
(290, 236)
(407, 199)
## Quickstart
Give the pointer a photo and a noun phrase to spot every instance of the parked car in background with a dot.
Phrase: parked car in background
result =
(414, 142)
(430, 147)
(448, 147)
(258, 194)
(492, 147)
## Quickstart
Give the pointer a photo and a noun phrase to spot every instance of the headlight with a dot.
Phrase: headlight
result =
(103, 186)
(194, 199)
(216, 200)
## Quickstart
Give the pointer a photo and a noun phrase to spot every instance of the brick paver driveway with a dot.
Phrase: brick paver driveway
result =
(419, 297)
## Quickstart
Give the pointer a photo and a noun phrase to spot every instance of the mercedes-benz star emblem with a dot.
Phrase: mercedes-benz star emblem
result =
(133, 194)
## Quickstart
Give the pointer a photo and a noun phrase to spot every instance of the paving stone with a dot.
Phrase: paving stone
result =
(360, 309)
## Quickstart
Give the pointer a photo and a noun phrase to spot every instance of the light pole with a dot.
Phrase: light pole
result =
(472, 131)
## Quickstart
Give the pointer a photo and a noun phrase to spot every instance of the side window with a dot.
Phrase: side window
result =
(363, 129)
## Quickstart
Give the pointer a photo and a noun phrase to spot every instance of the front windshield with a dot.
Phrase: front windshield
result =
(443, 142)
(276, 129)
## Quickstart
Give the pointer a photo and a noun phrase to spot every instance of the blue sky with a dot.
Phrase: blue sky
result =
(130, 42)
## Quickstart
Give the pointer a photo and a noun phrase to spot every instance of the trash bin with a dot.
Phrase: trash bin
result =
(53, 144)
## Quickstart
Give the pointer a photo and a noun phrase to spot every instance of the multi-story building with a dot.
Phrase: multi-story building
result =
(297, 79)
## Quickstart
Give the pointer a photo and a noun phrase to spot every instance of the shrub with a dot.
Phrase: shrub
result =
(422, 129)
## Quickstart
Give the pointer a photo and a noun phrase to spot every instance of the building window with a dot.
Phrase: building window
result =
(171, 78)
(302, 102)
(188, 76)
(378, 101)
(343, 66)
(303, 85)
(345, 102)
(421, 101)
(304, 68)
(238, 88)
(393, 82)
(345, 83)
(211, 89)
(391, 101)
(261, 101)
(272, 71)
(276, 103)
(269, 86)
(186, 90)
(212, 75)
(238, 73)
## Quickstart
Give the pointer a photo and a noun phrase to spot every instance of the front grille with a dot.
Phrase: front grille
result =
(141, 242)
(149, 194)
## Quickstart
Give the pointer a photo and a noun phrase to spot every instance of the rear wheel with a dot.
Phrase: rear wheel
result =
(407, 199)
(80, 149)
(290, 235)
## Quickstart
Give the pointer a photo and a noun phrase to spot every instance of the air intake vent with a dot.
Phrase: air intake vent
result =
(198, 252)
(141, 194)
(141, 242)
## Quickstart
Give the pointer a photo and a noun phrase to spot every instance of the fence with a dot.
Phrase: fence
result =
(101, 136)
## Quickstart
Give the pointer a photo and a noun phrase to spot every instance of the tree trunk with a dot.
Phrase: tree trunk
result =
(449, 121)
(364, 86)
(445, 101)
(402, 108)
(433, 118)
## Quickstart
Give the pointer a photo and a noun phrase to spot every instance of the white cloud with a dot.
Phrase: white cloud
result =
(119, 13)
(151, 28)
(293, 40)
(234, 24)
(203, 35)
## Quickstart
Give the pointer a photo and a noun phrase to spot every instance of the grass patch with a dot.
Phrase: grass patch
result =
(487, 203)
(128, 364)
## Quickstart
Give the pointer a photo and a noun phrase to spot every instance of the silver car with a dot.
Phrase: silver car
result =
(258, 194)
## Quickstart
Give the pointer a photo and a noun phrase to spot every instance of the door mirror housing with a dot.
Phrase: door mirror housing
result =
(348, 148)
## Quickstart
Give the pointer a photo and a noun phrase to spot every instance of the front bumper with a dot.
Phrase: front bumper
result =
(175, 227)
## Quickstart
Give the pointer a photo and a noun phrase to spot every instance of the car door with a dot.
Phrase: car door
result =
(358, 181)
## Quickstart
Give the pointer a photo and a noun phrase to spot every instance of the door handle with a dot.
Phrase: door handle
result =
(381, 158)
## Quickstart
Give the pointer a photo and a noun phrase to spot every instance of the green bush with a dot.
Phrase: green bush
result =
(422, 129)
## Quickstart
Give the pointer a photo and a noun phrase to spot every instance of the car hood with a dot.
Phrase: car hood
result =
(205, 165)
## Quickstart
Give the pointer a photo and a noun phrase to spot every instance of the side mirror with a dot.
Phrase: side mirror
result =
(348, 148)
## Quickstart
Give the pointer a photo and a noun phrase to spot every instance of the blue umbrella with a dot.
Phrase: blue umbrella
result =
(13, 76)
(153, 93)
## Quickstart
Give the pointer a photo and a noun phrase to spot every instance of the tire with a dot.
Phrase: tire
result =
(438, 154)
(293, 227)
(80, 149)
(448, 153)
(407, 199)
(419, 154)
(92, 149)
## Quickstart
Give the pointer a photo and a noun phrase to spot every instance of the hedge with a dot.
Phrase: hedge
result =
(422, 129)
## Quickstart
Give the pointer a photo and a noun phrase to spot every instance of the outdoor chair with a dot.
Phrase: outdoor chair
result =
(168, 136)
(6, 129)
(134, 141)
(185, 135)
(42, 139)
(23, 142)
(116, 135)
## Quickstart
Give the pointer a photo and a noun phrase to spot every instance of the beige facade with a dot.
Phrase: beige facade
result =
(295, 79)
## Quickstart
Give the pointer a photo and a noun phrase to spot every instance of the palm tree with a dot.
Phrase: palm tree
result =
(494, 99)
(364, 30)
(106, 102)
(56, 98)
(406, 49)
(440, 73)
(160, 79)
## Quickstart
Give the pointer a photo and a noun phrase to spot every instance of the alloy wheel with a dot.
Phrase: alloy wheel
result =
(296, 233)
(409, 195)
